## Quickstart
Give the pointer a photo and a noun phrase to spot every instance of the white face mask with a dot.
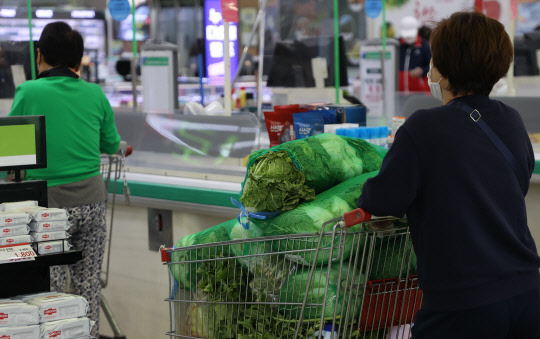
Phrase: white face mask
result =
(435, 87)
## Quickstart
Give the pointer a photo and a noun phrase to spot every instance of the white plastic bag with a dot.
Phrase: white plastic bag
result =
(48, 226)
(20, 332)
(57, 306)
(46, 236)
(66, 329)
(49, 247)
(46, 214)
(15, 240)
(12, 206)
(17, 313)
(11, 231)
(14, 218)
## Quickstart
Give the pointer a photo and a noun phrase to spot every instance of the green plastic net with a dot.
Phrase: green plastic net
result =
(282, 177)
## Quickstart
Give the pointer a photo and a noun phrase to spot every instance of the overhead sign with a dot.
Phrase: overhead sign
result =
(373, 8)
(229, 8)
(119, 9)
(214, 41)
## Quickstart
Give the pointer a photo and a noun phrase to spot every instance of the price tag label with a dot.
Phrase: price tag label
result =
(15, 253)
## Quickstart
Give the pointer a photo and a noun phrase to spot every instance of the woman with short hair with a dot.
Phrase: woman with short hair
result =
(460, 172)
(79, 126)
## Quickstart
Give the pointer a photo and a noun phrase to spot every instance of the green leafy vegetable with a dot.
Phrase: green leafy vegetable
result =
(275, 184)
(393, 258)
(213, 315)
(294, 291)
(286, 175)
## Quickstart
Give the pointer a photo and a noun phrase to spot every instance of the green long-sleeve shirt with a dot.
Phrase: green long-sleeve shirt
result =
(79, 126)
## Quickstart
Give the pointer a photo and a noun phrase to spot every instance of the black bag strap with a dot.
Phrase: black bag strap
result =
(476, 117)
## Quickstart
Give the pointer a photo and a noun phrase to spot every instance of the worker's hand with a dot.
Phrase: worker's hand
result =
(417, 72)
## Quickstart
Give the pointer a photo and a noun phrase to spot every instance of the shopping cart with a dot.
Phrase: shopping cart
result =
(113, 170)
(354, 280)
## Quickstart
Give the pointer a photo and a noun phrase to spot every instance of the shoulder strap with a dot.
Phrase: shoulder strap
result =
(476, 117)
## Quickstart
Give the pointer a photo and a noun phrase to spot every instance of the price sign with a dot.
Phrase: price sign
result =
(15, 253)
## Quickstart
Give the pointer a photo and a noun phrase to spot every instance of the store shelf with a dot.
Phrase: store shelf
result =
(33, 276)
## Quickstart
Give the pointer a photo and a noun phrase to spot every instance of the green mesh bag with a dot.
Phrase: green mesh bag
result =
(280, 178)
(186, 274)
(294, 291)
(393, 258)
(308, 218)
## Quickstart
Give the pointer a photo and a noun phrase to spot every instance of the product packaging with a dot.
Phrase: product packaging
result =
(308, 124)
(15, 240)
(396, 124)
(354, 114)
(46, 236)
(11, 231)
(13, 218)
(20, 332)
(49, 226)
(11, 206)
(46, 214)
(17, 313)
(280, 126)
(49, 247)
(54, 306)
(66, 329)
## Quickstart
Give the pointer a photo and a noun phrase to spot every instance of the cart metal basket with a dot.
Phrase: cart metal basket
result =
(344, 283)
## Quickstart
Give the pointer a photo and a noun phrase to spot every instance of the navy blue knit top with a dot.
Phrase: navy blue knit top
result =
(464, 203)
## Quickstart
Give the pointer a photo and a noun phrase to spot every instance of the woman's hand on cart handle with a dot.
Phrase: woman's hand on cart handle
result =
(356, 217)
(124, 148)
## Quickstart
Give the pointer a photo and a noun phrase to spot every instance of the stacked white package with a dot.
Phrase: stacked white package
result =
(49, 247)
(14, 218)
(15, 240)
(20, 332)
(14, 225)
(53, 306)
(48, 229)
(66, 329)
(49, 226)
(17, 313)
(13, 206)
(46, 236)
(46, 214)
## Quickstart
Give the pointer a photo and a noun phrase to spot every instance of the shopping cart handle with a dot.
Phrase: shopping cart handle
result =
(165, 256)
(356, 217)
(124, 148)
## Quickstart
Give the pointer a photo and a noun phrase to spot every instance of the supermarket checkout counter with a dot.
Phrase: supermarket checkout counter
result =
(192, 165)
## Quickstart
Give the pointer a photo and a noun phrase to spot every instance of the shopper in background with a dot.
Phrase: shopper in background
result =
(79, 126)
(414, 56)
(465, 202)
